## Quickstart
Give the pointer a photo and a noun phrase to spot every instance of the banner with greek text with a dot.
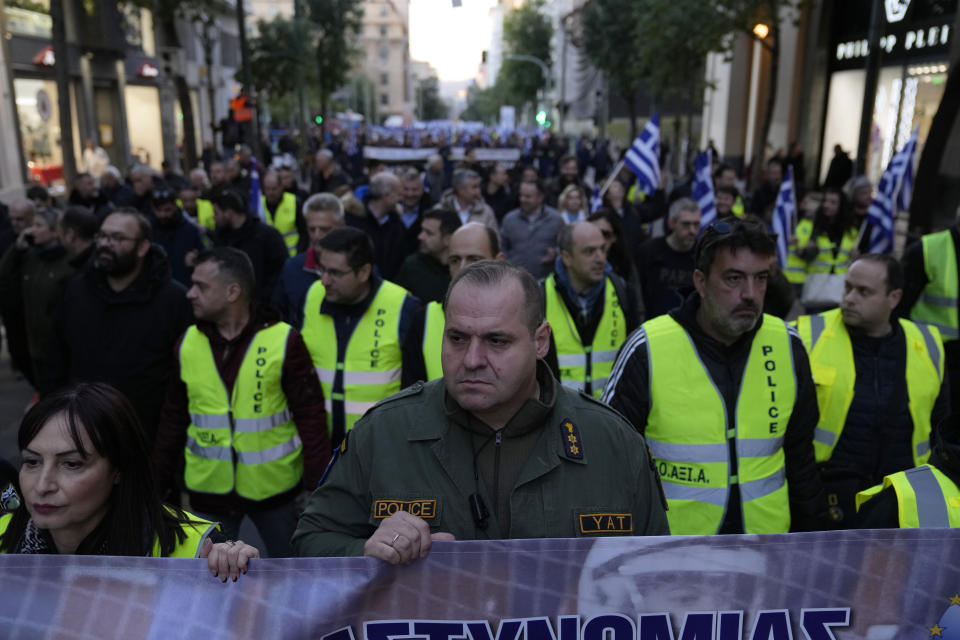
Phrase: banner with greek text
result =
(845, 585)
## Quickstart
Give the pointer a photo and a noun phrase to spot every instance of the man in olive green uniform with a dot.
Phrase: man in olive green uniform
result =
(496, 449)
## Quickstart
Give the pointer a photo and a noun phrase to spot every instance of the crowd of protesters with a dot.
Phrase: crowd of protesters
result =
(250, 315)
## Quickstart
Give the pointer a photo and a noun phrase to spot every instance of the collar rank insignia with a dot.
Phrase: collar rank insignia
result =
(572, 444)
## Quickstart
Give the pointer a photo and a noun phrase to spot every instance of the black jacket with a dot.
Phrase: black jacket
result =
(178, 237)
(628, 392)
(424, 276)
(124, 337)
(389, 241)
(264, 246)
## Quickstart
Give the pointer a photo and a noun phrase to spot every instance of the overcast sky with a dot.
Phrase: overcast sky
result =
(451, 39)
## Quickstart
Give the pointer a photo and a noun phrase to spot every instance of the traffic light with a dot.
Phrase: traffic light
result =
(318, 119)
(541, 117)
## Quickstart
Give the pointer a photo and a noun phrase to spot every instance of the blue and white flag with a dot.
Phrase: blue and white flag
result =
(596, 200)
(783, 216)
(893, 195)
(255, 190)
(643, 156)
(702, 189)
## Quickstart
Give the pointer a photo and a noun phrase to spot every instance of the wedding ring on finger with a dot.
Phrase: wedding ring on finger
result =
(395, 538)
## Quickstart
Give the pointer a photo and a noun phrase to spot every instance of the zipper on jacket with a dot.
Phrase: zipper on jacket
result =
(496, 470)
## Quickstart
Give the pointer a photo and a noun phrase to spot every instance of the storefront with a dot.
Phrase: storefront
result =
(914, 52)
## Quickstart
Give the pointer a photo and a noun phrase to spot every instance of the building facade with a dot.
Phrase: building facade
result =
(385, 61)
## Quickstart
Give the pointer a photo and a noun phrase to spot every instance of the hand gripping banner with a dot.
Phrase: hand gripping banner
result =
(844, 585)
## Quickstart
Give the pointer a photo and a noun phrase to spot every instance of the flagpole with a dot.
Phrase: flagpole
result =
(863, 230)
(613, 176)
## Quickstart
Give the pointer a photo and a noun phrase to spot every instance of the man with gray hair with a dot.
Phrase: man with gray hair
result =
(665, 264)
(495, 449)
(382, 223)
(464, 198)
(322, 212)
(327, 177)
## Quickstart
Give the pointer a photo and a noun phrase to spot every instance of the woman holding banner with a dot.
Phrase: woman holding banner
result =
(87, 488)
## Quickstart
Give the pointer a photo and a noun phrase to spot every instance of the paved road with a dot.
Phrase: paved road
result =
(14, 395)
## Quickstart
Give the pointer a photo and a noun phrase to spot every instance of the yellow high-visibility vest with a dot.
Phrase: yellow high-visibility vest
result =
(689, 435)
(371, 366)
(926, 498)
(241, 439)
(585, 367)
(433, 340)
(937, 304)
(832, 366)
(284, 219)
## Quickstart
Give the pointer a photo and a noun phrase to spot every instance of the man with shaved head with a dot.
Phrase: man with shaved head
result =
(470, 243)
(589, 308)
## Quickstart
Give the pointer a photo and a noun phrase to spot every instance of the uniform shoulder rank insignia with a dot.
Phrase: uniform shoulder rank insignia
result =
(572, 444)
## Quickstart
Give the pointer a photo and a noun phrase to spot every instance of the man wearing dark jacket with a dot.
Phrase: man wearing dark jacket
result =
(262, 243)
(121, 316)
(880, 385)
(322, 212)
(86, 194)
(425, 273)
(382, 224)
(590, 310)
(179, 237)
(724, 397)
(274, 398)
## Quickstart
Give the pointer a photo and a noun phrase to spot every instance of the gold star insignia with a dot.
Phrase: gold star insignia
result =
(936, 630)
(955, 599)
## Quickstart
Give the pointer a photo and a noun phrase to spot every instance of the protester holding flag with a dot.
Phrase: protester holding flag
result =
(893, 195)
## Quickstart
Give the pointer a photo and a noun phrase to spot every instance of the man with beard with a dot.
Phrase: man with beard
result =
(120, 318)
(665, 264)
(590, 310)
(180, 238)
(724, 396)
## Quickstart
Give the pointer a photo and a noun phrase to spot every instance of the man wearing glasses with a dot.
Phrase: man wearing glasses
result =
(120, 318)
(355, 325)
(724, 396)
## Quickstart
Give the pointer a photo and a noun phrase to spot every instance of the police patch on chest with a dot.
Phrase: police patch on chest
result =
(610, 523)
(426, 508)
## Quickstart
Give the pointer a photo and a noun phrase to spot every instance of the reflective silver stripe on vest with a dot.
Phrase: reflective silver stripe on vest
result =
(572, 360)
(716, 497)
(756, 489)
(370, 377)
(695, 453)
(758, 447)
(923, 448)
(252, 425)
(931, 505)
(931, 343)
(210, 453)
(210, 420)
(817, 324)
(824, 437)
(599, 383)
(358, 408)
(271, 454)
(326, 375)
(937, 301)
(290, 234)
(605, 356)
(949, 333)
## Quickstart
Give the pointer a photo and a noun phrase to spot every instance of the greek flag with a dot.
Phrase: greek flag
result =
(255, 189)
(783, 215)
(702, 189)
(596, 200)
(893, 194)
(643, 156)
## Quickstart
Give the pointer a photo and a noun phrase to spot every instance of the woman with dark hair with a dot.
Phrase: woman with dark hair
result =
(87, 488)
(824, 244)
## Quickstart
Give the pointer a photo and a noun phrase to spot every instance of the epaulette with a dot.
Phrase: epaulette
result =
(415, 389)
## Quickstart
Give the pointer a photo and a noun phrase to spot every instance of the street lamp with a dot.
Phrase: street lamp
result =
(761, 30)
